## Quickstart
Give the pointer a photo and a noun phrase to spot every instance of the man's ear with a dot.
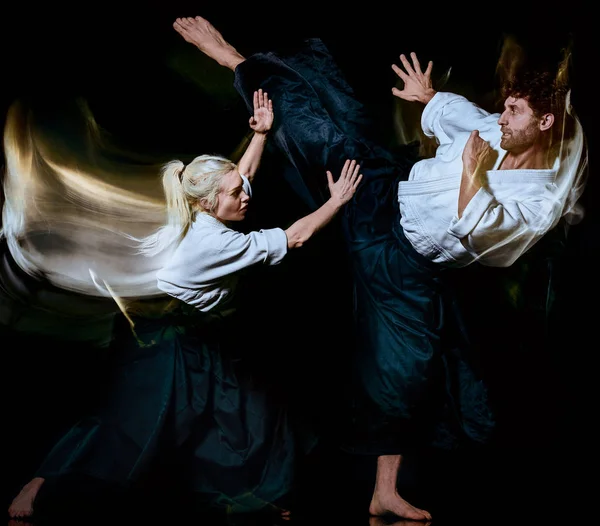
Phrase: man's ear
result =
(546, 121)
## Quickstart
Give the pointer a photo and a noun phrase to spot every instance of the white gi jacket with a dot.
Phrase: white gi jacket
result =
(205, 267)
(505, 217)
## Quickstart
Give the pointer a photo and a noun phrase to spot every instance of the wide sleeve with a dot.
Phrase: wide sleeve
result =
(497, 232)
(236, 251)
(205, 267)
(447, 116)
(246, 185)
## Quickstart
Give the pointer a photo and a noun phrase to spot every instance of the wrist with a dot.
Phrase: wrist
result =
(334, 204)
(428, 95)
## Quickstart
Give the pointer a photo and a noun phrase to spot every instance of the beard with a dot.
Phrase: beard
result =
(520, 140)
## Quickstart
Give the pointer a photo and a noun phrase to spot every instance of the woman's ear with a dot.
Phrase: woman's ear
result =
(204, 204)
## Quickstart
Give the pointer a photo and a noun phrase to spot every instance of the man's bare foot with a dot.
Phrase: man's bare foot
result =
(379, 521)
(206, 38)
(394, 504)
(22, 504)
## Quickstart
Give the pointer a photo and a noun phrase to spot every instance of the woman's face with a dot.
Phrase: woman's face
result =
(232, 201)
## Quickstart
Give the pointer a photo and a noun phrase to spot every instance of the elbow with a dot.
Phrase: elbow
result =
(297, 239)
(296, 242)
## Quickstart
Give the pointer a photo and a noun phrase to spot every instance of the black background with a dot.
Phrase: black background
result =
(119, 57)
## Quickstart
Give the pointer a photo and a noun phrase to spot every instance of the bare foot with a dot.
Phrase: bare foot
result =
(394, 504)
(22, 504)
(206, 38)
(378, 521)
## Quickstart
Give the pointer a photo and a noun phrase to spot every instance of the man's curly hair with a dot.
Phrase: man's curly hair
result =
(541, 89)
(546, 92)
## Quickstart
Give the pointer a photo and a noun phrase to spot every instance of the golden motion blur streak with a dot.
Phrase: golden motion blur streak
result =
(69, 215)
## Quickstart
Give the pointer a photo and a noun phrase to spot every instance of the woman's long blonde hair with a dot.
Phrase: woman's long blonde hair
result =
(186, 187)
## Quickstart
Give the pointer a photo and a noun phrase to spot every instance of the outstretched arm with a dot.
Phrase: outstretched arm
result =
(341, 192)
(261, 122)
(417, 85)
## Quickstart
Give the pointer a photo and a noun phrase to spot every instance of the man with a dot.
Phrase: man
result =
(498, 215)
(497, 184)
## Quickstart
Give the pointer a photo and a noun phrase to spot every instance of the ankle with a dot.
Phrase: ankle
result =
(231, 61)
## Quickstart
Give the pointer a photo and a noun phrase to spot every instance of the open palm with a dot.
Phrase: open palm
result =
(262, 120)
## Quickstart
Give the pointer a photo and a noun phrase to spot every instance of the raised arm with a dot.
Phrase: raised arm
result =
(261, 122)
(341, 192)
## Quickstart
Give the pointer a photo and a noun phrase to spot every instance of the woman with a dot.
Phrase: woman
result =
(182, 394)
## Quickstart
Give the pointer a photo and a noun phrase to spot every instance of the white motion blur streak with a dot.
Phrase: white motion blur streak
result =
(67, 217)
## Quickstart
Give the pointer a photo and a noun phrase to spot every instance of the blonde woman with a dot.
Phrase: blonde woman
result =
(181, 392)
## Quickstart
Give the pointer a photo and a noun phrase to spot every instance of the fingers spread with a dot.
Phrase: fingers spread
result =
(399, 72)
(416, 63)
(407, 65)
(429, 68)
